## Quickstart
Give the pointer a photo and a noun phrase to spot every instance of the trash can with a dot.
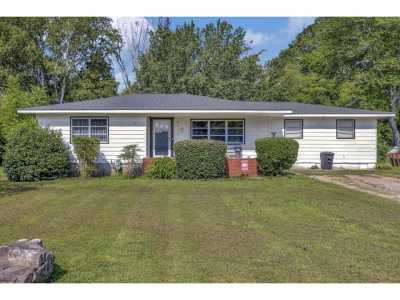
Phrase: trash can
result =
(327, 160)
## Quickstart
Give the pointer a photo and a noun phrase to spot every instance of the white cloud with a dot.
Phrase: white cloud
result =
(130, 26)
(296, 25)
(257, 38)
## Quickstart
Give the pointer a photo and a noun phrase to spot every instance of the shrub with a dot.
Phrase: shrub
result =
(2, 147)
(382, 150)
(130, 156)
(33, 153)
(383, 166)
(200, 159)
(276, 155)
(163, 168)
(86, 149)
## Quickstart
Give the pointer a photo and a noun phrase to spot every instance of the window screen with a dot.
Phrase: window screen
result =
(294, 129)
(94, 127)
(227, 131)
(345, 129)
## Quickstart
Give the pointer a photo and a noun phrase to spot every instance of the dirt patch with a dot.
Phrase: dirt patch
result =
(388, 187)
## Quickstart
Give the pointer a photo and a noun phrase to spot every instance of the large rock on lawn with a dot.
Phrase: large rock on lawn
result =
(25, 261)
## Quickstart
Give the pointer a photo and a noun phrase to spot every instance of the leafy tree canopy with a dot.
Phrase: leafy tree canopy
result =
(210, 61)
(69, 57)
(15, 97)
(350, 62)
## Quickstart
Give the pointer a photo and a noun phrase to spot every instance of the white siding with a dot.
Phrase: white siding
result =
(123, 130)
(255, 127)
(320, 135)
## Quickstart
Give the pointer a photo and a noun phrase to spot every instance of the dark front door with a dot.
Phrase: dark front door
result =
(161, 137)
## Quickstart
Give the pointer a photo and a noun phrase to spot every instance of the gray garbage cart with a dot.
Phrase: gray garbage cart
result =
(327, 160)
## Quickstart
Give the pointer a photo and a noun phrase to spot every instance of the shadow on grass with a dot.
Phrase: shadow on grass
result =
(7, 187)
(58, 273)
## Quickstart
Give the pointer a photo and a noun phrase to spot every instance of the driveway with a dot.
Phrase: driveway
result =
(388, 187)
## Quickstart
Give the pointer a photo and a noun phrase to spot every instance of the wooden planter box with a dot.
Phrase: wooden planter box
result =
(148, 162)
(394, 158)
(236, 167)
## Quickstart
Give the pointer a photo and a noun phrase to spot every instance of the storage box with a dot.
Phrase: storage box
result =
(236, 166)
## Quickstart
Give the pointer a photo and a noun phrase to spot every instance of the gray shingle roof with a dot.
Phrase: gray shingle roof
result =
(192, 102)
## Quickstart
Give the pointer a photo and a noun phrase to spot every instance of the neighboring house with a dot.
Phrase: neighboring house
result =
(155, 121)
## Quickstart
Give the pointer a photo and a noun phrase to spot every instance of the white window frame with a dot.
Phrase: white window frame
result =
(353, 129)
(226, 135)
(302, 128)
(90, 126)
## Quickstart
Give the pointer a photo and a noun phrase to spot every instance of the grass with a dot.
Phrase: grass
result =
(291, 229)
(392, 172)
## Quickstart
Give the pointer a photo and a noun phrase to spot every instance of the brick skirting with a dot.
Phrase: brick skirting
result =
(148, 162)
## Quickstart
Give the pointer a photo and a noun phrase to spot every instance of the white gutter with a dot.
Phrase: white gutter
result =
(388, 115)
(261, 112)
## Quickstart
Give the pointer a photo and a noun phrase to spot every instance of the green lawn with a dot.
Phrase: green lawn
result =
(290, 229)
(393, 172)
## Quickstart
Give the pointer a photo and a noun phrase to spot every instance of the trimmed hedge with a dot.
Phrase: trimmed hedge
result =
(163, 168)
(33, 153)
(200, 159)
(276, 155)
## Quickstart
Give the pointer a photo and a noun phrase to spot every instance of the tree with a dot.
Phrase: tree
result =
(136, 40)
(94, 81)
(22, 52)
(15, 97)
(351, 62)
(72, 42)
(56, 53)
(211, 61)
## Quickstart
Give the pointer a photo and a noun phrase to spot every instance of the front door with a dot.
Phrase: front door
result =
(161, 137)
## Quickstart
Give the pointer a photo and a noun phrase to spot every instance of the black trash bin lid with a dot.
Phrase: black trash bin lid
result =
(327, 153)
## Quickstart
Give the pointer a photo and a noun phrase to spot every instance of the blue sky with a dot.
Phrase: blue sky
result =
(271, 34)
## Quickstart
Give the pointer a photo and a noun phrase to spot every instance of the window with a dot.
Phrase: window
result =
(294, 129)
(228, 131)
(345, 129)
(94, 127)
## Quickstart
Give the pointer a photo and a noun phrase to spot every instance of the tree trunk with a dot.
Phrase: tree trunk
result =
(125, 76)
(394, 103)
(40, 76)
(395, 131)
(61, 100)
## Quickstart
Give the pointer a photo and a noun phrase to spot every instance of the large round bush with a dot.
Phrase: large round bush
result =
(33, 153)
(200, 159)
(276, 155)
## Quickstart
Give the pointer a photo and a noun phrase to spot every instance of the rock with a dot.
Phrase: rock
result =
(25, 261)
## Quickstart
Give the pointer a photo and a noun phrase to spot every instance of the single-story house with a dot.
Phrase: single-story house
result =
(155, 121)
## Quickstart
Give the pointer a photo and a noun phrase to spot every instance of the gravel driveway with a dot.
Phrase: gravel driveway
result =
(388, 187)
